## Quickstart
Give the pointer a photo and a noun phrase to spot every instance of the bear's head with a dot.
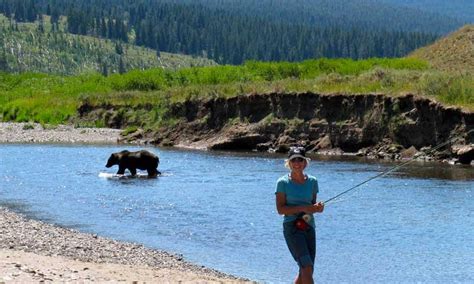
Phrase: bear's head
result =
(113, 160)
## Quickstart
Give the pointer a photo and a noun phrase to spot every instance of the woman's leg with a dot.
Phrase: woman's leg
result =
(302, 250)
(306, 275)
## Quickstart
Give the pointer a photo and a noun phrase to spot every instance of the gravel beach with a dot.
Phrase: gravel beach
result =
(34, 251)
(35, 133)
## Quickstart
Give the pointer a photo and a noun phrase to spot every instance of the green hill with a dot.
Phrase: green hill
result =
(36, 47)
(455, 52)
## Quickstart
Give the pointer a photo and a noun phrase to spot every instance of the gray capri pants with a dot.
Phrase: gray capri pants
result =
(302, 244)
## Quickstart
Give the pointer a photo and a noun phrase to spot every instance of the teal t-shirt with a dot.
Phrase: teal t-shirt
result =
(297, 194)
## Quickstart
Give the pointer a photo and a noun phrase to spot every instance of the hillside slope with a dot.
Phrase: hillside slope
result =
(35, 47)
(455, 52)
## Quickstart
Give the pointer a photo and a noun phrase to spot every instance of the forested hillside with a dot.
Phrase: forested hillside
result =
(38, 47)
(368, 14)
(268, 31)
(461, 9)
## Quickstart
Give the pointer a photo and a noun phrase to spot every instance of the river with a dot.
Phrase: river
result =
(218, 210)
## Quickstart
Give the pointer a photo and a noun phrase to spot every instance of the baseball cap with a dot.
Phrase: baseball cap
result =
(297, 152)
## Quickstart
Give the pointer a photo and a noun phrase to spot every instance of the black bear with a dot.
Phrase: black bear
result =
(132, 161)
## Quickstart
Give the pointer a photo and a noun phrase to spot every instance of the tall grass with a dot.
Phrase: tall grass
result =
(253, 71)
(457, 90)
(55, 99)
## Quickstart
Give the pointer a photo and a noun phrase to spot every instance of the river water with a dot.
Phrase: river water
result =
(218, 210)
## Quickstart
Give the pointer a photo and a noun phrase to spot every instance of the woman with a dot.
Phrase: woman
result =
(296, 195)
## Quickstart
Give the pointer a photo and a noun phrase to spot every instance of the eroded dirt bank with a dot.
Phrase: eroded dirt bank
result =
(373, 125)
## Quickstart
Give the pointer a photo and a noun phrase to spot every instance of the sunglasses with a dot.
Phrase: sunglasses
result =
(299, 160)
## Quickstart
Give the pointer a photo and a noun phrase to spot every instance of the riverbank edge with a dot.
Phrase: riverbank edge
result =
(23, 239)
(373, 125)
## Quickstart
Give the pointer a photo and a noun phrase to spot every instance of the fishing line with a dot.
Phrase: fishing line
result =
(396, 167)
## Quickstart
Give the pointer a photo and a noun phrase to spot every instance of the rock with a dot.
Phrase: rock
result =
(284, 143)
(324, 143)
(245, 142)
(282, 148)
(264, 147)
(394, 148)
(331, 152)
(362, 152)
(382, 155)
(285, 140)
(166, 143)
(138, 134)
(408, 153)
(465, 153)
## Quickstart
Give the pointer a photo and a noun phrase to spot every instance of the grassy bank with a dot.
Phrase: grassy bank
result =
(53, 99)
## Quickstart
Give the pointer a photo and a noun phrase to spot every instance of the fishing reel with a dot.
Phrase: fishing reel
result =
(302, 221)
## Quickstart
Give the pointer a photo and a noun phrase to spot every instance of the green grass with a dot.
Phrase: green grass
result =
(145, 96)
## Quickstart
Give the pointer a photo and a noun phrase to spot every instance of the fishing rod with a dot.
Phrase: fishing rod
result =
(395, 167)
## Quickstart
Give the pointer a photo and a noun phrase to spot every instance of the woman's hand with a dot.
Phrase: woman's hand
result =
(317, 207)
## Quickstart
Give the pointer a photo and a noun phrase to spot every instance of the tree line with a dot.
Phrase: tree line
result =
(390, 15)
(223, 35)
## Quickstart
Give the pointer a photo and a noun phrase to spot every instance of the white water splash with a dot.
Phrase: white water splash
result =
(128, 176)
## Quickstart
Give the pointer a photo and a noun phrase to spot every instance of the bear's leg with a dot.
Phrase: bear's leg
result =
(152, 172)
(133, 171)
(121, 171)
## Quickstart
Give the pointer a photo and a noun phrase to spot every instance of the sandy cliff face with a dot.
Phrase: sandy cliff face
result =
(370, 125)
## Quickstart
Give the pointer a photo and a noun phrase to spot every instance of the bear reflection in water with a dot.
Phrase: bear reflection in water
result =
(142, 160)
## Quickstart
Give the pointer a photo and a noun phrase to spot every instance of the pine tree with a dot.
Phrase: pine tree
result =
(122, 68)
(103, 28)
(40, 25)
(20, 11)
(31, 13)
(3, 61)
(104, 70)
(118, 48)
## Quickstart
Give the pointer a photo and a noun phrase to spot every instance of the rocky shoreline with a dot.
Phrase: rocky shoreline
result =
(87, 254)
